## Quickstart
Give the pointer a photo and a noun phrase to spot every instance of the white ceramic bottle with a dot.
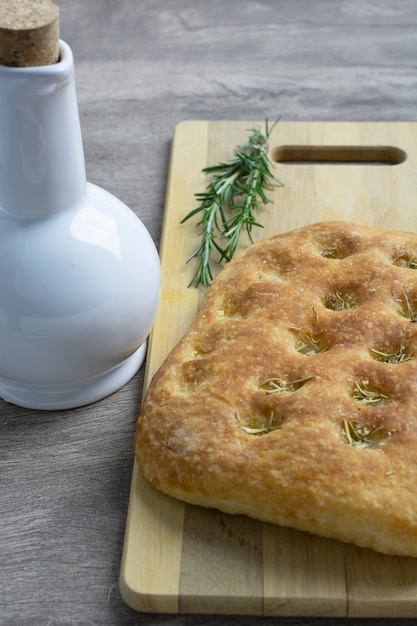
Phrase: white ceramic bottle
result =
(80, 276)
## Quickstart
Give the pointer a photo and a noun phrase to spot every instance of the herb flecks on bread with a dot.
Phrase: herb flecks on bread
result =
(293, 396)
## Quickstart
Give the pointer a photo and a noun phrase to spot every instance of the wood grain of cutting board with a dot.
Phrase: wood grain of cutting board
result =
(187, 559)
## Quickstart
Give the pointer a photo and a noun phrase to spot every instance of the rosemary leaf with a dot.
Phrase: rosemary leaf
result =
(365, 396)
(407, 309)
(276, 385)
(361, 436)
(264, 429)
(395, 356)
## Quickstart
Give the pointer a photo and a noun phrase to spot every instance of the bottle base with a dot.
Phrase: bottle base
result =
(74, 394)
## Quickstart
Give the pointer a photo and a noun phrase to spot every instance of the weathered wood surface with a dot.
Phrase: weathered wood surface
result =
(141, 68)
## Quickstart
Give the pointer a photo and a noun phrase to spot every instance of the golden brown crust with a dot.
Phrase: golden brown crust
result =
(293, 396)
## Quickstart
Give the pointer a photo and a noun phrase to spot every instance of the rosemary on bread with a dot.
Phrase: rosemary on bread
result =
(227, 207)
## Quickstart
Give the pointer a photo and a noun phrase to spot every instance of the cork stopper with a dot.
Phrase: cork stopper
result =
(29, 33)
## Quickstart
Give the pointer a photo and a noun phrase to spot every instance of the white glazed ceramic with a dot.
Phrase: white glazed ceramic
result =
(80, 275)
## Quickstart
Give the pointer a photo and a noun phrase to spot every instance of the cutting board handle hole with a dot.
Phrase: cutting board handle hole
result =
(339, 155)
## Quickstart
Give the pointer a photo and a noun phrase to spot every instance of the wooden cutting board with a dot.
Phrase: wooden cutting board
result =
(187, 559)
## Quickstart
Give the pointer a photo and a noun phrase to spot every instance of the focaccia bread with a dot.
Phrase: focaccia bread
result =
(293, 397)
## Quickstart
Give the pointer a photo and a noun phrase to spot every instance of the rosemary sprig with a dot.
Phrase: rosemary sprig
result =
(227, 207)
(341, 302)
(409, 261)
(310, 346)
(369, 397)
(330, 253)
(276, 385)
(360, 436)
(407, 310)
(395, 356)
(257, 430)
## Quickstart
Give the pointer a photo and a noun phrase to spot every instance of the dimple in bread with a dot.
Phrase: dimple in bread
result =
(293, 396)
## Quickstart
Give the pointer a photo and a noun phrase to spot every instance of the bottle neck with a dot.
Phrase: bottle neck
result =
(42, 169)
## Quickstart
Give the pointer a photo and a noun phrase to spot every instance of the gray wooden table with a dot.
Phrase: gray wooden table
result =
(142, 66)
